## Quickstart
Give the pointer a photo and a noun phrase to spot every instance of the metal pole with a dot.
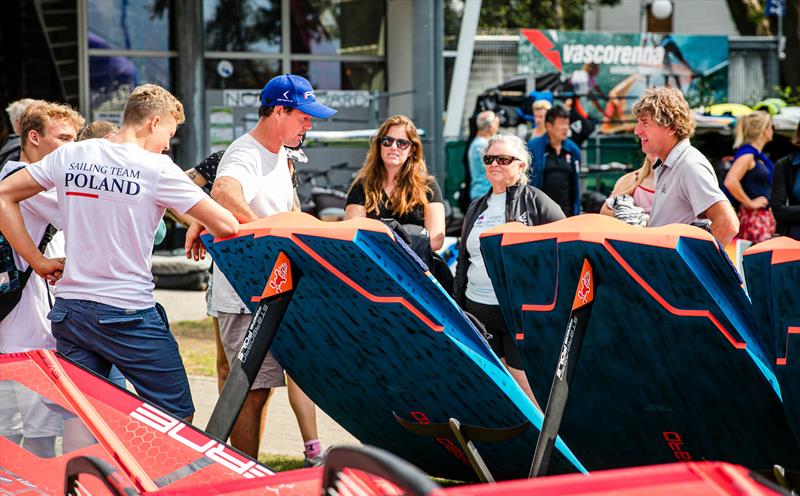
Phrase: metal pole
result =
(83, 59)
(190, 84)
(643, 17)
(458, 83)
(438, 91)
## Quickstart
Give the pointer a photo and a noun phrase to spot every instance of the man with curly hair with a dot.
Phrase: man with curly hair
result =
(687, 190)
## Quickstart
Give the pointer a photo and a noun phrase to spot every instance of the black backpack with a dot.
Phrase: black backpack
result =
(12, 280)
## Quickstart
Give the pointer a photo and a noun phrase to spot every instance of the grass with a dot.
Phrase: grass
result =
(281, 463)
(196, 342)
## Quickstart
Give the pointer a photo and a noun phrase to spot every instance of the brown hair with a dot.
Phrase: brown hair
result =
(97, 129)
(149, 100)
(796, 137)
(412, 180)
(39, 114)
(666, 107)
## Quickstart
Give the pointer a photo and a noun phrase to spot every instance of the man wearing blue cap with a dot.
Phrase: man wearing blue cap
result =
(253, 181)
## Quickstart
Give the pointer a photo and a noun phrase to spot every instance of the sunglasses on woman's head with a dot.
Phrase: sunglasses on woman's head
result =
(401, 143)
(501, 159)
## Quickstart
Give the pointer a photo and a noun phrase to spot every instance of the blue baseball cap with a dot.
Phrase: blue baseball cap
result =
(293, 91)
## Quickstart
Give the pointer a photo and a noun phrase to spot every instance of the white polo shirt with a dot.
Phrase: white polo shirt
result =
(111, 197)
(686, 187)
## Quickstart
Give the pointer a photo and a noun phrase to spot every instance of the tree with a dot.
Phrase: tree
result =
(748, 15)
(548, 14)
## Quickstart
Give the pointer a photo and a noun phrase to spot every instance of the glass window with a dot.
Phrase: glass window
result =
(333, 75)
(247, 74)
(338, 27)
(111, 79)
(131, 25)
(243, 25)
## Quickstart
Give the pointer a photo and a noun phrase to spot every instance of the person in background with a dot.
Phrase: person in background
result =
(584, 81)
(539, 108)
(98, 129)
(11, 148)
(394, 184)
(632, 197)
(44, 128)
(749, 180)
(687, 191)
(488, 124)
(785, 197)
(556, 163)
(511, 199)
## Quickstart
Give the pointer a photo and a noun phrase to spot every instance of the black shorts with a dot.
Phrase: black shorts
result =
(502, 342)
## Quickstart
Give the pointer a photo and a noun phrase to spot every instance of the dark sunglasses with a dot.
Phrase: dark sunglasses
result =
(401, 143)
(501, 159)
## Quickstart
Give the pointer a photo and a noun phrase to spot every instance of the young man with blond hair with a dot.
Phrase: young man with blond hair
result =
(687, 190)
(111, 195)
(43, 128)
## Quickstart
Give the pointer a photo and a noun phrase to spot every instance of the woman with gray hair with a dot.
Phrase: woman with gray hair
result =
(511, 199)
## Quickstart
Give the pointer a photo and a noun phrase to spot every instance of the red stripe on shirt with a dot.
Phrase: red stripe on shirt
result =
(87, 195)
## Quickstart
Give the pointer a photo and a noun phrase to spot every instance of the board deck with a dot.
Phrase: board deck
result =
(772, 270)
(369, 335)
(673, 366)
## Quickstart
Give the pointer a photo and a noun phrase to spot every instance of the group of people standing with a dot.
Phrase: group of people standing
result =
(538, 183)
(108, 196)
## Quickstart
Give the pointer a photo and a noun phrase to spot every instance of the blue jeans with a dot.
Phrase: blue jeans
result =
(138, 342)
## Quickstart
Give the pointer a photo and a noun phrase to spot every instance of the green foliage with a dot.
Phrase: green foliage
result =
(551, 14)
(505, 15)
(789, 94)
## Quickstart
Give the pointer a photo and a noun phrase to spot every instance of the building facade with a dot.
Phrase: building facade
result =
(373, 58)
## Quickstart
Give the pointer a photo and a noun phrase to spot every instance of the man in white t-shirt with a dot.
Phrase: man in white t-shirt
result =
(111, 195)
(43, 128)
(254, 180)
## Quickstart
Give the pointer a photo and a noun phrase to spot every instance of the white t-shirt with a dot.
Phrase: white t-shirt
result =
(267, 188)
(26, 327)
(479, 286)
(111, 197)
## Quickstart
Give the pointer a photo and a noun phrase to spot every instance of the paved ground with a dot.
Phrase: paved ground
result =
(182, 305)
(281, 435)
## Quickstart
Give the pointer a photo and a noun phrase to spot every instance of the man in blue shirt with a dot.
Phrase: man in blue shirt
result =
(556, 164)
